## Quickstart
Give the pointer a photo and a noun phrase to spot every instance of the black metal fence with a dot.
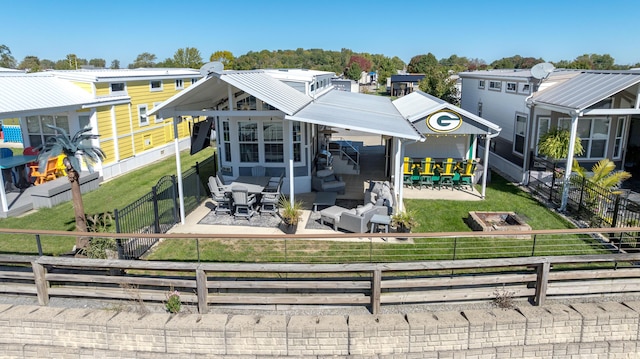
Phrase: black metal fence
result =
(159, 210)
(598, 206)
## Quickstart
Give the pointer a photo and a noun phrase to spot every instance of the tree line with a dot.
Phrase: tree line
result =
(347, 62)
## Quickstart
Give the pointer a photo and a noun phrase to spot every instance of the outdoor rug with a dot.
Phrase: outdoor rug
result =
(314, 218)
(225, 219)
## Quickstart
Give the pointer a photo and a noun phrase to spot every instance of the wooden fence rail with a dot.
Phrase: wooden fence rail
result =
(356, 284)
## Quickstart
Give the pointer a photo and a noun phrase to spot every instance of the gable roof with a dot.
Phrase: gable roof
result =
(207, 92)
(585, 89)
(24, 94)
(418, 105)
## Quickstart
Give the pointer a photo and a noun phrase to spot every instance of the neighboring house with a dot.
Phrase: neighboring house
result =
(345, 85)
(401, 85)
(262, 119)
(114, 103)
(600, 107)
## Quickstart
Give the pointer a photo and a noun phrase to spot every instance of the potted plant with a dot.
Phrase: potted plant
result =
(404, 221)
(291, 213)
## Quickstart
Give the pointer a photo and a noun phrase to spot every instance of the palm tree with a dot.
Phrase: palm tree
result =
(603, 175)
(73, 148)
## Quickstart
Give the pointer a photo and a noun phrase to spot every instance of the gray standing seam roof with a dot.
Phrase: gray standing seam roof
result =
(356, 111)
(586, 89)
(23, 93)
(268, 89)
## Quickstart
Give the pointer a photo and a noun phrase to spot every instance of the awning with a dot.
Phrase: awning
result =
(361, 112)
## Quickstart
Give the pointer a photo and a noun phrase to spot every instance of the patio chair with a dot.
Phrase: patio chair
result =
(30, 151)
(407, 172)
(467, 170)
(427, 173)
(447, 171)
(49, 172)
(243, 202)
(270, 199)
(258, 171)
(219, 197)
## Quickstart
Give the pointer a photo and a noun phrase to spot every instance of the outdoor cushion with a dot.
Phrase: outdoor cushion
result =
(324, 173)
(361, 209)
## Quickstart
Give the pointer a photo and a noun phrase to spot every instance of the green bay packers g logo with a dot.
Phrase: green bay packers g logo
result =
(444, 121)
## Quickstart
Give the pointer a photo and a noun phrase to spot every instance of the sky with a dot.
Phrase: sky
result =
(488, 30)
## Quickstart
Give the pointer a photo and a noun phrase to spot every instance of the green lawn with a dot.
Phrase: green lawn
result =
(115, 193)
(432, 215)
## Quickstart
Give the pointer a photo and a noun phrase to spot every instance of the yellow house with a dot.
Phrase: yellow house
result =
(114, 103)
(129, 137)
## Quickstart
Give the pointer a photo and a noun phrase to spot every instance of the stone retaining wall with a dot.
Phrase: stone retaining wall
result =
(594, 330)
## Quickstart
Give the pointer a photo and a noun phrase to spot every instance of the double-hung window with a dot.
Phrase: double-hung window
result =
(593, 134)
(273, 141)
(248, 141)
(38, 131)
(142, 115)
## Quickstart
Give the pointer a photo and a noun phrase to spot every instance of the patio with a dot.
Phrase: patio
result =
(371, 158)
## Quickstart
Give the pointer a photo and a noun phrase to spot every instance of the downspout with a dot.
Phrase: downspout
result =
(567, 174)
(485, 168)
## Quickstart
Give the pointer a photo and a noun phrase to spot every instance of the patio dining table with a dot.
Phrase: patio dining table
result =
(254, 184)
(8, 163)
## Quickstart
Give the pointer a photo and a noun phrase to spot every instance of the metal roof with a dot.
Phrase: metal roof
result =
(21, 94)
(111, 75)
(418, 105)
(356, 111)
(207, 92)
(586, 89)
(268, 89)
(407, 78)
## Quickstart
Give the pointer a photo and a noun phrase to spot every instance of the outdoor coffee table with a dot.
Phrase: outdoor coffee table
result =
(324, 199)
(378, 220)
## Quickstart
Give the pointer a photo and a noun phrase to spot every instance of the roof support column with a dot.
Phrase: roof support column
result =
(397, 175)
(570, 154)
(178, 169)
(290, 167)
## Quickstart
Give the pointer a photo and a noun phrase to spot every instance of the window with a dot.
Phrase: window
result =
(117, 87)
(525, 88)
(37, 130)
(593, 134)
(511, 87)
(155, 85)
(142, 115)
(520, 131)
(296, 137)
(179, 84)
(248, 141)
(226, 140)
(157, 115)
(544, 123)
(617, 148)
(273, 141)
(480, 84)
(495, 85)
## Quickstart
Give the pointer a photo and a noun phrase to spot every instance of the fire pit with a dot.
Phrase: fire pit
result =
(498, 221)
